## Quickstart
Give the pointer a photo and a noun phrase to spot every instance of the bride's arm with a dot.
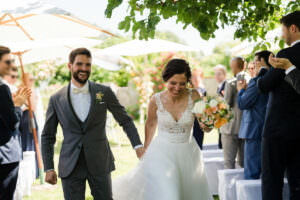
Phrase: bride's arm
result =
(151, 122)
(196, 96)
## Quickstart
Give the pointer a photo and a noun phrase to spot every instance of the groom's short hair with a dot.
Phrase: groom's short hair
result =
(79, 51)
(290, 19)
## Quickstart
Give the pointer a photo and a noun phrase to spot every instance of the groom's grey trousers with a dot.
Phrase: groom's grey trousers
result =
(74, 184)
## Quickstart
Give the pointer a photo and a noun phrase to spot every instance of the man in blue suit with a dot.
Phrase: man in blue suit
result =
(10, 114)
(254, 104)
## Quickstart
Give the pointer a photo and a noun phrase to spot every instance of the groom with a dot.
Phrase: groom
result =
(80, 108)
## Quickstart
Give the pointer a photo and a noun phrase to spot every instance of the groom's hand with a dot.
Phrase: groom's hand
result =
(51, 177)
(140, 152)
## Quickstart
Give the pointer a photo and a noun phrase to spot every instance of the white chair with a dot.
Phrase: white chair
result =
(212, 165)
(210, 147)
(227, 183)
(218, 153)
(26, 175)
(251, 190)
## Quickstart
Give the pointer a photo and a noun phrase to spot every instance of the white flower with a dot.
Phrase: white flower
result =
(199, 107)
(213, 103)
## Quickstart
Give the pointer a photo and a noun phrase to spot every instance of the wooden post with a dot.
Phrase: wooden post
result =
(19, 54)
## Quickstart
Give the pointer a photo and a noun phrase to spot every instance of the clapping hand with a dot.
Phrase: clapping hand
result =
(242, 84)
(280, 63)
(21, 96)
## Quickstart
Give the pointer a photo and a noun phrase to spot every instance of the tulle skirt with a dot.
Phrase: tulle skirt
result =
(167, 171)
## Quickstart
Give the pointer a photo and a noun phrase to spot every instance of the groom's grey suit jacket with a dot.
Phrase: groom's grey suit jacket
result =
(89, 136)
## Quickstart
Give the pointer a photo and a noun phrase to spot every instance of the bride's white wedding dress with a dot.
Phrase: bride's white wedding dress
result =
(172, 167)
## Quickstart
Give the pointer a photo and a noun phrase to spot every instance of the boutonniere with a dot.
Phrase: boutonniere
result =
(99, 96)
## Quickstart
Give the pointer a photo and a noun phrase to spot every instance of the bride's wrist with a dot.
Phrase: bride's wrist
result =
(146, 146)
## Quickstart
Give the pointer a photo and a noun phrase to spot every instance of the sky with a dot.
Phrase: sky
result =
(93, 12)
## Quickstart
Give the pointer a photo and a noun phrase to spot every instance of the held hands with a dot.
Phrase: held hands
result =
(51, 177)
(280, 63)
(242, 84)
(140, 152)
(21, 96)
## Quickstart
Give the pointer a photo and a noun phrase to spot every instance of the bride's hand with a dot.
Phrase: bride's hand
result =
(140, 152)
(204, 127)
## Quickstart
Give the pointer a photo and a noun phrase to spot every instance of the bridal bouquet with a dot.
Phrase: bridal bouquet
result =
(212, 111)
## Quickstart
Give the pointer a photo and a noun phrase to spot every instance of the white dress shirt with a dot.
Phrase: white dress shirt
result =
(291, 68)
(296, 42)
(81, 100)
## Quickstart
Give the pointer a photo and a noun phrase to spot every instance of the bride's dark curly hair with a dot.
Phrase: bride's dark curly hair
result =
(177, 66)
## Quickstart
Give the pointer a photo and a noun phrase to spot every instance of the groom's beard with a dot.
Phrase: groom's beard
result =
(82, 81)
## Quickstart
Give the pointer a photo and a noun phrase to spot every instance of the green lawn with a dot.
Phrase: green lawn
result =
(125, 161)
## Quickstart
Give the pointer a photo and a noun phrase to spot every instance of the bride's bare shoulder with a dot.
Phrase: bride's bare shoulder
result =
(153, 101)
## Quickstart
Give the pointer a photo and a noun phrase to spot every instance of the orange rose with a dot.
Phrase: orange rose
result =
(214, 109)
(222, 106)
(220, 122)
(208, 111)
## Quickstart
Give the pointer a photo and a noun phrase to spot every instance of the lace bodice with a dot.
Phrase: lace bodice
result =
(172, 130)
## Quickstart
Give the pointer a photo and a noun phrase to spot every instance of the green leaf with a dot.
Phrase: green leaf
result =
(281, 44)
(252, 19)
(264, 47)
(268, 44)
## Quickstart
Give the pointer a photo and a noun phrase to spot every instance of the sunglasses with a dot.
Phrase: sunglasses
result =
(14, 77)
(9, 62)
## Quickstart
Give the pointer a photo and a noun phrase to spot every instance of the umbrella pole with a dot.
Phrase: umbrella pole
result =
(19, 54)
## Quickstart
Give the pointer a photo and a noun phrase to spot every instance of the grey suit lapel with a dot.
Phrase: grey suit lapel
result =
(93, 92)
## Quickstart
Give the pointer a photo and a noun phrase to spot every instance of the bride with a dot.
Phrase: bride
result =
(171, 167)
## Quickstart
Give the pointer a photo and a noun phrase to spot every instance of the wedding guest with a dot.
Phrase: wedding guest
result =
(12, 78)
(281, 138)
(220, 77)
(233, 146)
(10, 114)
(251, 69)
(292, 73)
(254, 104)
(27, 137)
(197, 82)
